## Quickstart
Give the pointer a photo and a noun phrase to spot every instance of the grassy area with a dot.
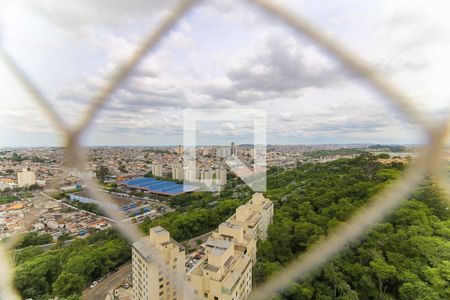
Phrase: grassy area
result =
(8, 199)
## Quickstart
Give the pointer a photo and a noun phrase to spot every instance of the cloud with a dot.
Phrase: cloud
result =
(225, 54)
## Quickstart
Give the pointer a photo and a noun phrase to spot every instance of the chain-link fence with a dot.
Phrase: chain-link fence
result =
(428, 162)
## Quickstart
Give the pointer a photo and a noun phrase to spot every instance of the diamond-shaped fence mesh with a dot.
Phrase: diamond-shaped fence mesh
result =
(428, 162)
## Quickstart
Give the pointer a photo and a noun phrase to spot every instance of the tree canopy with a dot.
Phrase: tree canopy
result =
(65, 272)
(405, 257)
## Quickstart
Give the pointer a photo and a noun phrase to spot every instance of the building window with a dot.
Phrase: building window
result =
(216, 298)
(205, 295)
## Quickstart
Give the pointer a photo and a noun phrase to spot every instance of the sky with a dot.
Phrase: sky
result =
(222, 54)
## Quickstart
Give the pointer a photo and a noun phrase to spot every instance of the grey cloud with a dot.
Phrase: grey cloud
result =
(281, 68)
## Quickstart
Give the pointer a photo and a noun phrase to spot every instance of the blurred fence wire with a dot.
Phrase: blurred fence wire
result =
(428, 163)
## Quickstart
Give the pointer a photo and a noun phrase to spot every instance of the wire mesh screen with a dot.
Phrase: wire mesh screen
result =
(428, 162)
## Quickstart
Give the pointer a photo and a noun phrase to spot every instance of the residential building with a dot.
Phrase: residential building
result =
(177, 171)
(225, 274)
(221, 176)
(223, 152)
(255, 215)
(6, 181)
(157, 170)
(243, 241)
(158, 267)
(206, 175)
(264, 207)
(190, 174)
(26, 177)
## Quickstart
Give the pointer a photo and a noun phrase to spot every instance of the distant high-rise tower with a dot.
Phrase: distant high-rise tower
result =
(233, 149)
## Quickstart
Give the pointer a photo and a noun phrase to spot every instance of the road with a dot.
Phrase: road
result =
(101, 290)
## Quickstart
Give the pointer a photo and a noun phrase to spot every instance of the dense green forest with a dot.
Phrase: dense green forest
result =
(183, 226)
(405, 257)
(65, 272)
(343, 151)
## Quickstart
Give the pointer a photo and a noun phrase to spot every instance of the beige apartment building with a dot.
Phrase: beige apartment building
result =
(244, 242)
(255, 216)
(225, 272)
(157, 170)
(158, 267)
(177, 171)
(26, 177)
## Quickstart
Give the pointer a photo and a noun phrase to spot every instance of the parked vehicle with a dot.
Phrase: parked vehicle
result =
(94, 284)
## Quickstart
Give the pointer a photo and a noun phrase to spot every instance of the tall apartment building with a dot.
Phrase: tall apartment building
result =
(158, 267)
(223, 152)
(264, 207)
(226, 273)
(221, 176)
(206, 175)
(255, 216)
(190, 174)
(244, 241)
(177, 172)
(157, 170)
(234, 149)
(26, 177)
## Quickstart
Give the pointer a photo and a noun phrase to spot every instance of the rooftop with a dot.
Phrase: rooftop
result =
(144, 248)
(218, 247)
(161, 187)
(232, 278)
(160, 230)
(230, 225)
